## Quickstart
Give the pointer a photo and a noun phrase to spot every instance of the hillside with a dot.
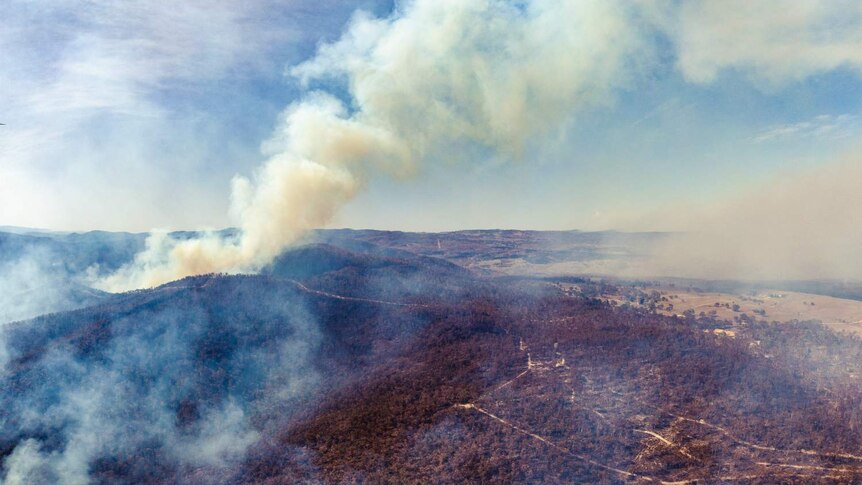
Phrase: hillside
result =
(550, 390)
(344, 367)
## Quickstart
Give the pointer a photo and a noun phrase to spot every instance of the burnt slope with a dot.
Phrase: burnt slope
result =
(207, 362)
(544, 389)
(346, 370)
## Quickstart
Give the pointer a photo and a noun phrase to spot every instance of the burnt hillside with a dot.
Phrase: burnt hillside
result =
(344, 367)
(543, 389)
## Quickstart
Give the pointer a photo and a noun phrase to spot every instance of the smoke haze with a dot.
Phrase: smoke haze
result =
(801, 225)
(178, 379)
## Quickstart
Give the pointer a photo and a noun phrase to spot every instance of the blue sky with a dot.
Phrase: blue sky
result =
(665, 143)
(139, 117)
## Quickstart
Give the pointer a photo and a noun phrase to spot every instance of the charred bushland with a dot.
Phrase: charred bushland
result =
(363, 368)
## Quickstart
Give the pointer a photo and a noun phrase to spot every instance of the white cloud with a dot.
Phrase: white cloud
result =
(829, 127)
(774, 42)
(113, 57)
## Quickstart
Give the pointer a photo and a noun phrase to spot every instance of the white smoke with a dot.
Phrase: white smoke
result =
(436, 81)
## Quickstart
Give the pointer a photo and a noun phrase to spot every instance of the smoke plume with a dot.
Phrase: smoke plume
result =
(455, 82)
(436, 81)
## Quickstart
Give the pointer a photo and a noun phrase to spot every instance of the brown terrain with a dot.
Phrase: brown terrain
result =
(560, 255)
(839, 314)
(371, 363)
(551, 387)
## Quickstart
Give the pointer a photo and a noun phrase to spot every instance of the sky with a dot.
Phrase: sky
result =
(135, 116)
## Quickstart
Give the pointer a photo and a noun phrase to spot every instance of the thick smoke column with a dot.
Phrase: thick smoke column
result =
(436, 81)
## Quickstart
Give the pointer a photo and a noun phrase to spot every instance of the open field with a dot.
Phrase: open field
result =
(839, 314)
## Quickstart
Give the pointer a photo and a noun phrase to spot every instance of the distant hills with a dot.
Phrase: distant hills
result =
(54, 269)
(504, 251)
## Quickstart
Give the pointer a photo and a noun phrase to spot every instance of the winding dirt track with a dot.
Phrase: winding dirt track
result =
(353, 298)
(305, 289)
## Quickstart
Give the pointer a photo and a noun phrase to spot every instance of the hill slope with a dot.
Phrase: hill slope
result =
(346, 367)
